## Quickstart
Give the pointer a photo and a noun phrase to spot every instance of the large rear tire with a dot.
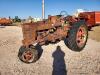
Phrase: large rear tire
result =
(28, 55)
(77, 36)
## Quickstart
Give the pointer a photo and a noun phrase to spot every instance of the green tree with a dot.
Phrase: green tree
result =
(17, 19)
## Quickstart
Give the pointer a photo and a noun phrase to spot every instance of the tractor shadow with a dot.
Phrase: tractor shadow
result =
(90, 28)
(2, 26)
(59, 66)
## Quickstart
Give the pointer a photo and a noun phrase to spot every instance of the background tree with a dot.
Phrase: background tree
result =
(17, 19)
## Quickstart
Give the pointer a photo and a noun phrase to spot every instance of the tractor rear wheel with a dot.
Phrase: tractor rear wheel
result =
(28, 55)
(77, 36)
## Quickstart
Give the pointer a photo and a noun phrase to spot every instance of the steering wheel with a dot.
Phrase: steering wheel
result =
(63, 13)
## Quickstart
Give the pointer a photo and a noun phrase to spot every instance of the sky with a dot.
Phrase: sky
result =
(25, 8)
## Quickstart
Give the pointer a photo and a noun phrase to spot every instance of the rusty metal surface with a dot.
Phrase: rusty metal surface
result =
(97, 17)
(92, 18)
(42, 31)
(4, 21)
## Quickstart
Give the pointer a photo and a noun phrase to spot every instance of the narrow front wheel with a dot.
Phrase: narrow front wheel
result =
(28, 55)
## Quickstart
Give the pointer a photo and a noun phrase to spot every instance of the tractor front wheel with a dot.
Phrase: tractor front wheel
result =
(28, 55)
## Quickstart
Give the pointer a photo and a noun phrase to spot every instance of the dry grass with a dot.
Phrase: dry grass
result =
(95, 33)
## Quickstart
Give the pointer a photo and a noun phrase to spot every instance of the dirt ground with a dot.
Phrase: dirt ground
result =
(95, 33)
(56, 59)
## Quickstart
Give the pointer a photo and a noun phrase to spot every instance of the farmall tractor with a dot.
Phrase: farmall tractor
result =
(73, 30)
(4, 21)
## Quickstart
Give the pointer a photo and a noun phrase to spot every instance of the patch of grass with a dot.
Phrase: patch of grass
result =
(95, 33)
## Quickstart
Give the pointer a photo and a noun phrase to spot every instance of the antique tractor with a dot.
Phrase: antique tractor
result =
(73, 30)
(4, 21)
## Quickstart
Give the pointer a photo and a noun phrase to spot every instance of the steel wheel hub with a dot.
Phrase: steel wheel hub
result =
(27, 56)
(81, 36)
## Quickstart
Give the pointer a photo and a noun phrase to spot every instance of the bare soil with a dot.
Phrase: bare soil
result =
(95, 33)
(56, 59)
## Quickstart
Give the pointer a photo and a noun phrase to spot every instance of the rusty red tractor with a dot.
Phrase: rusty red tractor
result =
(5, 21)
(73, 30)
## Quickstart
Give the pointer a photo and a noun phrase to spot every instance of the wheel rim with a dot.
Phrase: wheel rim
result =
(28, 56)
(81, 36)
